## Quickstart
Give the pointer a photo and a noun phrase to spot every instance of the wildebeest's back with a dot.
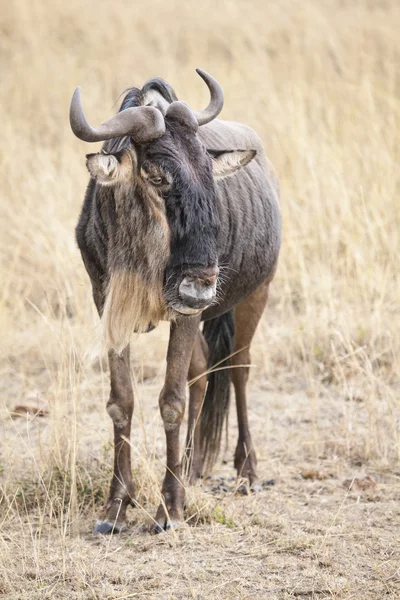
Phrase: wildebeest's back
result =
(250, 216)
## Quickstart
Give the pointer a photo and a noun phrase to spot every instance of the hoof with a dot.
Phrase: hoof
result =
(157, 529)
(244, 489)
(255, 487)
(106, 527)
(168, 525)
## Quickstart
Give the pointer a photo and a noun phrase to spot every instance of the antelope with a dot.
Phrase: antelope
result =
(180, 222)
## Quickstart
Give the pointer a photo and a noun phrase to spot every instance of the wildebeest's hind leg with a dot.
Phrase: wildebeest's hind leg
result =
(172, 407)
(198, 366)
(247, 317)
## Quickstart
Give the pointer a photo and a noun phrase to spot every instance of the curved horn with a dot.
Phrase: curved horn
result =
(216, 101)
(142, 123)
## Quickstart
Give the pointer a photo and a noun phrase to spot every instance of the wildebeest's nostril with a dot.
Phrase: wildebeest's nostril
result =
(209, 281)
(209, 277)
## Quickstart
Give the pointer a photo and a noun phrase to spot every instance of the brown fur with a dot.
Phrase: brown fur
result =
(137, 262)
(106, 169)
(131, 306)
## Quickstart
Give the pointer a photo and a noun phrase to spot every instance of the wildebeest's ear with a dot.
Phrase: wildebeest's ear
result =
(111, 169)
(227, 162)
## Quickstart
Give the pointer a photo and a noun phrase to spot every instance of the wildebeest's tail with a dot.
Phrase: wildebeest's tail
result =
(219, 334)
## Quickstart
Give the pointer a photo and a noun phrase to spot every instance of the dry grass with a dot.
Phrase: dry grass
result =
(319, 80)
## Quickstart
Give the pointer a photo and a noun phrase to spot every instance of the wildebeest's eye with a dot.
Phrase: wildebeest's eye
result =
(156, 180)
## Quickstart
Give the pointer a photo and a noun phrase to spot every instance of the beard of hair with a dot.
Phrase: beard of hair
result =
(139, 255)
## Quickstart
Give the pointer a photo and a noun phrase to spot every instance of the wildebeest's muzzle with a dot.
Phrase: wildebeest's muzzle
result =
(193, 290)
(198, 291)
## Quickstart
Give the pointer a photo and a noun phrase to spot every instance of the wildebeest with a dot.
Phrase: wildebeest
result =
(180, 222)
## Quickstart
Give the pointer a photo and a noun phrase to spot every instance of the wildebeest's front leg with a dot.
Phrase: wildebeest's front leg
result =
(120, 409)
(172, 408)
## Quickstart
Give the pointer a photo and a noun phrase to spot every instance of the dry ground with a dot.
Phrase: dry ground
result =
(324, 526)
(319, 80)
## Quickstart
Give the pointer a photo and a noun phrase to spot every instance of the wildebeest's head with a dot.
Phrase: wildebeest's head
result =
(163, 183)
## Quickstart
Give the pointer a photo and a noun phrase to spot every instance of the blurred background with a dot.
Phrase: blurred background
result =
(319, 80)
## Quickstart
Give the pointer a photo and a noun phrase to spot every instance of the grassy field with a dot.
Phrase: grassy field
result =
(320, 82)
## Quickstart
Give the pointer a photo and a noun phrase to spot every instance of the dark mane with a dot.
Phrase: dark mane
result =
(135, 97)
(162, 87)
